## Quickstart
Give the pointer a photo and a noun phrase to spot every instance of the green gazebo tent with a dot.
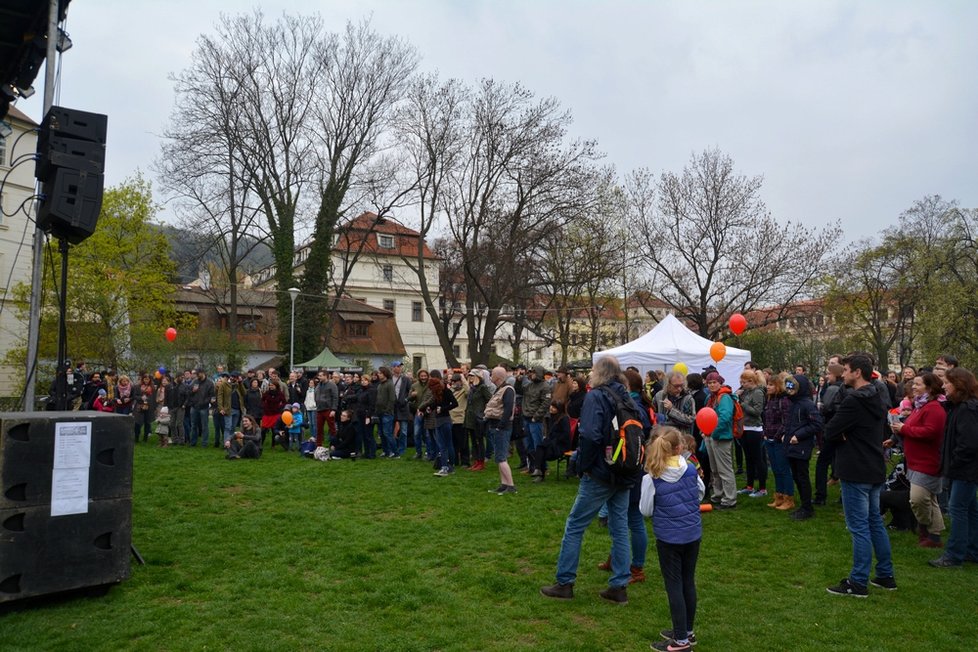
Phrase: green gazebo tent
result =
(325, 360)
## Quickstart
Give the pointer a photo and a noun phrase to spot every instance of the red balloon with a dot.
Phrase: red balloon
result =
(738, 323)
(171, 334)
(706, 420)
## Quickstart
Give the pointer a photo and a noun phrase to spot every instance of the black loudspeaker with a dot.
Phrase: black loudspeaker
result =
(72, 203)
(41, 553)
(70, 166)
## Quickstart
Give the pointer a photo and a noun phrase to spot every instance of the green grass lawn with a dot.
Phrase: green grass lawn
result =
(284, 553)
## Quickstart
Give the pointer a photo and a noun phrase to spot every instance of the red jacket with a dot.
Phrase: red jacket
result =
(923, 436)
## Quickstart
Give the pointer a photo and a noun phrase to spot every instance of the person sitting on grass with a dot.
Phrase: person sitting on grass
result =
(671, 496)
(344, 444)
(246, 442)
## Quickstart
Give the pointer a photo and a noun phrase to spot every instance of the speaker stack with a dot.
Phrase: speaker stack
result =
(70, 166)
(66, 502)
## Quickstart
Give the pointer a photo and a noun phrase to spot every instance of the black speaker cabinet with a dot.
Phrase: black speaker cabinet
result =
(66, 501)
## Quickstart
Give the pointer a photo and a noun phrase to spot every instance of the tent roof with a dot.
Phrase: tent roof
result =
(671, 342)
(325, 360)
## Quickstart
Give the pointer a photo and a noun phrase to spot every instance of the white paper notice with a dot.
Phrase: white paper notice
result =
(69, 477)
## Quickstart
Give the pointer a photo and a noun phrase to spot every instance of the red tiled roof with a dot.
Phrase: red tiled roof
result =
(365, 229)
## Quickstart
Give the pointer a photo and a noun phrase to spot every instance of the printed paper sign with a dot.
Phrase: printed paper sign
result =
(72, 460)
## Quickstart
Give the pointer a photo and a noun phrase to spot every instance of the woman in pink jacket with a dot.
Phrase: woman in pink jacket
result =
(923, 436)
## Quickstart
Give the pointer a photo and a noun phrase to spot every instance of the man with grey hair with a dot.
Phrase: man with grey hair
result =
(598, 486)
(673, 404)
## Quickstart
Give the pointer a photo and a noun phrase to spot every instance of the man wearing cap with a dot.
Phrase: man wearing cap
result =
(402, 411)
(719, 443)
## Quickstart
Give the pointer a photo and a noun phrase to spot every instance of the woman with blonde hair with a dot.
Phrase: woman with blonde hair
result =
(776, 411)
(671, 494)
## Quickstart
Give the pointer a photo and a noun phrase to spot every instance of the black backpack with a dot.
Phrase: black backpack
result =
(624, 446)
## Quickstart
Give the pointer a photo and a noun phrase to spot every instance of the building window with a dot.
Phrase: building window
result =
(416, 311)
(3, 144)
(456, 351)
(356, 329)
(385, 241)
(388, 273)
(389, 305)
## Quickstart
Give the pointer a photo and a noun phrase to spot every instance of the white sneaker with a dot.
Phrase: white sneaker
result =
(442, 472)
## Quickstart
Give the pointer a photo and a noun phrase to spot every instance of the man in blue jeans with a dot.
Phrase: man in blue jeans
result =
(598, 486)
(857, 431)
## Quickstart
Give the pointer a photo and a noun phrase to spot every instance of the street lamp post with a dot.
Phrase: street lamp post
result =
(294, 293)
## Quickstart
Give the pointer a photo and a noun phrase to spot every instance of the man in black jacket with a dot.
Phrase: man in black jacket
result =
(857, 430)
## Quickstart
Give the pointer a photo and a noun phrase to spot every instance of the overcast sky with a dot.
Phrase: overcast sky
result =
(850, 110)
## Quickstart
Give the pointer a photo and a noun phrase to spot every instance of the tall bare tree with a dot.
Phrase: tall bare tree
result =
(518, 180)
(711, 247)
(364, 77)
(237, 149)
(430, 129)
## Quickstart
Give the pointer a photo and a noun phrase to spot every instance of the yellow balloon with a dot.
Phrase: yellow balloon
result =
(681, 368)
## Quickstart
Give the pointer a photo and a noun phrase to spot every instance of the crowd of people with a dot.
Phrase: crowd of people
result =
(906, 443)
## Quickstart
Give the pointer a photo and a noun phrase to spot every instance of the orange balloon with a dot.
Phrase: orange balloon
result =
(706, 507)
(287, 418)
(738, 323)
(706, 420)
(718, 351)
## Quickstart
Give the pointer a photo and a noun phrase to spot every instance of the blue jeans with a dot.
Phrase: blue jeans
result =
(198, 420)
(861, 502)
(402, 437)
(387, 434)
(963, 507)
(311, 420)
(534, 434)
(230, 421)
(783, 484)
(591, 495)
(366, 439)
(418, 435)
(639, 535)
(445, 445)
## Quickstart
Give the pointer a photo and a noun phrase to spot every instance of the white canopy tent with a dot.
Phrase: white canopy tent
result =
(671, 342)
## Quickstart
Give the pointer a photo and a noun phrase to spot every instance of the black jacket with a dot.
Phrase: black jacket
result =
(960, 454)
(804, 422)
(857, 428)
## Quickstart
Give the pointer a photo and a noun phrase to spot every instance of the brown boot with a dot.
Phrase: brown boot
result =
(638, 575)
(921, 535)
(778, 499)
(605, 565)
(788, 503)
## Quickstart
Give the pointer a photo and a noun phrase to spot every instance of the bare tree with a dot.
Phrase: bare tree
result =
(516, 182)
(429, 127)
(365, 75)
(712, 248)
(237, 149)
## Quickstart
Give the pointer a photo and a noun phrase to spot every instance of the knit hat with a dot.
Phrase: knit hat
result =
(296, 406)
(713, 375)
(102, 393)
